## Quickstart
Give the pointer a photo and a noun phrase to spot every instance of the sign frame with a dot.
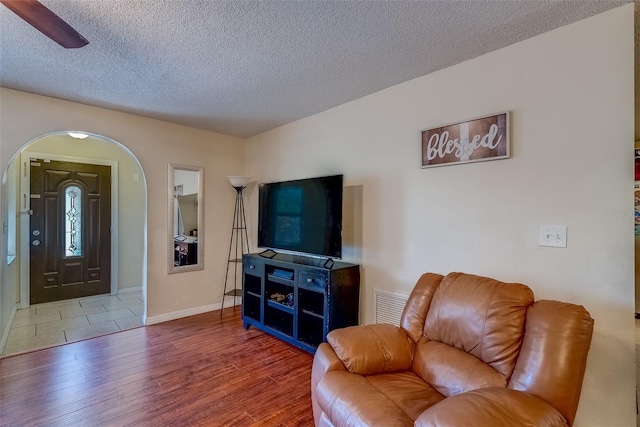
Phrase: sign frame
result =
(469, 141)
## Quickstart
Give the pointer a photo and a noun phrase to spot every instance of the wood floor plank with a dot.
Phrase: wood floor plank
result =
(202, 370)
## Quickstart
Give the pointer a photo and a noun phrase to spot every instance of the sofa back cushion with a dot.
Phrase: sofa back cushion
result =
(479, 316)
(415, 310)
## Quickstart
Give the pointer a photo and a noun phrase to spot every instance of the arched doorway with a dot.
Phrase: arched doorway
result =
(128, 220)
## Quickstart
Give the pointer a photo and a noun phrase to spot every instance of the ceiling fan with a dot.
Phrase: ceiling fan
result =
(47, 22)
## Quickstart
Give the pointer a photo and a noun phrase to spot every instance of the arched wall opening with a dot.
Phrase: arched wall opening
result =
(128, 216)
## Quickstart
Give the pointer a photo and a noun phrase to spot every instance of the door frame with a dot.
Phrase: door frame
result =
(25, 197)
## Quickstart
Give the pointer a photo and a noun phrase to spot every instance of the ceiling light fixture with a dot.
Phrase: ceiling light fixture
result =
(77, 135)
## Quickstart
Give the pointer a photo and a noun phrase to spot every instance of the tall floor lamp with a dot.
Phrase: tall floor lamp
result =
(239, 240)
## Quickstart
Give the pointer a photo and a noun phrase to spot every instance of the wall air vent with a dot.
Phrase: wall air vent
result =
(388, 306)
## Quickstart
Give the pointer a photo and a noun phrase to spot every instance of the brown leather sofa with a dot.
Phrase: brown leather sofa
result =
(470, 351)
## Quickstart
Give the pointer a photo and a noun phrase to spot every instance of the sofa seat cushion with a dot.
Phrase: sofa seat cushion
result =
(492, 407)
(452, 371)
(408, 391)
(354, 400)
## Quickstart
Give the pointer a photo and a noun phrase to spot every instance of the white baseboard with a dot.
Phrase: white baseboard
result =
(185, 313)
(7, 329)
(181, 313)
(130, 290)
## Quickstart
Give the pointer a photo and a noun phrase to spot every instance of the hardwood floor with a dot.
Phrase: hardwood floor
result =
(197, 371)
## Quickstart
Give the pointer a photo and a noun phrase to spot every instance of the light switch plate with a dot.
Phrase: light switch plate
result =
(554, 236)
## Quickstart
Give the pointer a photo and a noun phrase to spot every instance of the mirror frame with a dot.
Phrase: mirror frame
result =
(171, 268)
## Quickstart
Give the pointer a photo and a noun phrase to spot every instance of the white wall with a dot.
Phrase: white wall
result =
(24, 117)
(570, 92)
(188, 180)
(9, 274)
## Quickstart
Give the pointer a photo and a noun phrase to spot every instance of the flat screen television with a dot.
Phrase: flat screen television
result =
(303, 215)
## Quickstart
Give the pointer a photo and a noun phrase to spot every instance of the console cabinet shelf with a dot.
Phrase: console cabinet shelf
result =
(297, 298)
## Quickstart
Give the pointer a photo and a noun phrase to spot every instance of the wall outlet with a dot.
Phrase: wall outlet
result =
(554, 236)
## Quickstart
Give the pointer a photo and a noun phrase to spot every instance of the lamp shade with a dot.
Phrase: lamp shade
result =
(239, 181)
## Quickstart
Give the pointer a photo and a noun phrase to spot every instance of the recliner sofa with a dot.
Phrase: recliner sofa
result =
(470, 351)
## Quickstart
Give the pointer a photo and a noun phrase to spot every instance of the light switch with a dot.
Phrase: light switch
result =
(136, 177)
(554, 236)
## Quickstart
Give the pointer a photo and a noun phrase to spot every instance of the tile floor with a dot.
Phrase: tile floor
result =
(56, 323)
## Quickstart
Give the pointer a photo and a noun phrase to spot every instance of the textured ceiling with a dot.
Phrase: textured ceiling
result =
(244, 67)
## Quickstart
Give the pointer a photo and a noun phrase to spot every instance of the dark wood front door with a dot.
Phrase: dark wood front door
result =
(70, 255)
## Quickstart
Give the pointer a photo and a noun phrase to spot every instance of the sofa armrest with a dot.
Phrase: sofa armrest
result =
(324, 360)
(372, 349)
(492, 407)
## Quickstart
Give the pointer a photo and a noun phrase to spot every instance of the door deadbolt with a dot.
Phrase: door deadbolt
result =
(36, 232)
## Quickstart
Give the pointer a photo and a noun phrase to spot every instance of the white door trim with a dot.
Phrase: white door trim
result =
(25, 197)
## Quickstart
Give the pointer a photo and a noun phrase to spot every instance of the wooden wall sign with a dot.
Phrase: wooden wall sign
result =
(476, 140)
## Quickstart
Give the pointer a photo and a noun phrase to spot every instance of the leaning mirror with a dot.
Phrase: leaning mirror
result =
(186, 218)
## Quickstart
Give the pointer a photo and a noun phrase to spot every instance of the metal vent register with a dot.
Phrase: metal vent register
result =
(388, 306)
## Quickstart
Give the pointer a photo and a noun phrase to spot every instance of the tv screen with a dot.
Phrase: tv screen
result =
(304, 215)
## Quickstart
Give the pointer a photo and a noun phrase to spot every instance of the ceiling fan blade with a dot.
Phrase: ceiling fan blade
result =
(47, 22)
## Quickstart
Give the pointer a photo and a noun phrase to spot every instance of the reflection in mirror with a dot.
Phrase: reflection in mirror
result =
(186, 218)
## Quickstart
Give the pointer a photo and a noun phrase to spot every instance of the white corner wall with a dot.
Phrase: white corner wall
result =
(570, 92)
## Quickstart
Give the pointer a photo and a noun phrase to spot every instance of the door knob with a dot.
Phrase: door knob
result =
(35, 242)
